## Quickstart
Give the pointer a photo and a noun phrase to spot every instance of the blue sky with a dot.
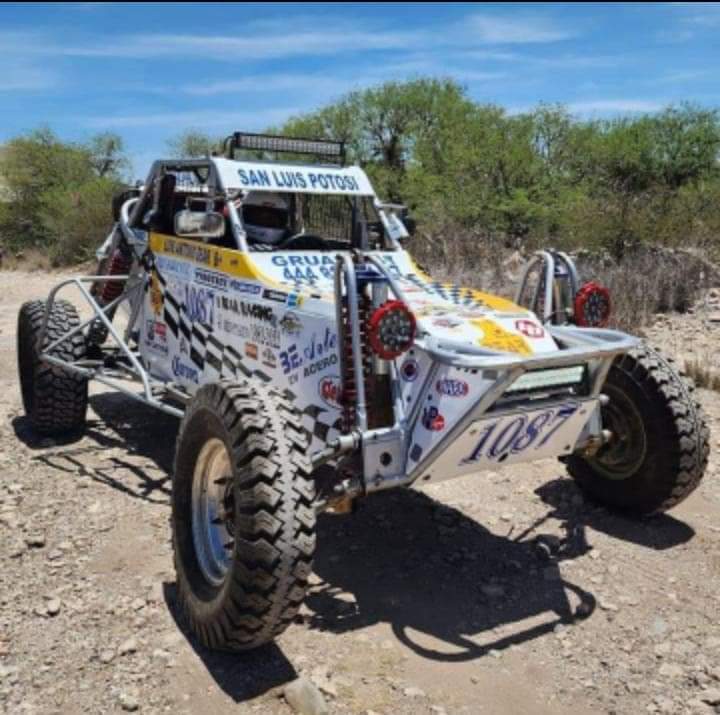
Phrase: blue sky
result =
(149, 71)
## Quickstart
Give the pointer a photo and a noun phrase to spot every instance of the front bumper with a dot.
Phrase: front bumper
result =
(442, 433)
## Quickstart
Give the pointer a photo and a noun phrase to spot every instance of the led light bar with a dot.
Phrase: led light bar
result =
(270, 142)
(553, 378)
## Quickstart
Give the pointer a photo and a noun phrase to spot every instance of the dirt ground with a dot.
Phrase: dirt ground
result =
(497, 593)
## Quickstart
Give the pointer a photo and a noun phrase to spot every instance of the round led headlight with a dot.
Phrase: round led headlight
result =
(592, 306)
(391, 329)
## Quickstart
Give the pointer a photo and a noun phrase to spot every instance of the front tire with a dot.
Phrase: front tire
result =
(242, 514)
(660, 446)
(55, 399)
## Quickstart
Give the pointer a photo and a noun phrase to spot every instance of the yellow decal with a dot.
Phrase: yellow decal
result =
(225, 260)
(496, 337)
(156, 296)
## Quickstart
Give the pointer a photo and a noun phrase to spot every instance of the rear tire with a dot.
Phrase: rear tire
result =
(242, 514)
(660, 445)
(55, 399)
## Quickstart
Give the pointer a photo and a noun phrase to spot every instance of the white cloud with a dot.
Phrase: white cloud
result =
(241, 47)
(615, 106)
(200, 119)
(268, 83)
(496, 30)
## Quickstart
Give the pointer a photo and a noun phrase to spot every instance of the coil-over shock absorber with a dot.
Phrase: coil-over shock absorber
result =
(348, 397)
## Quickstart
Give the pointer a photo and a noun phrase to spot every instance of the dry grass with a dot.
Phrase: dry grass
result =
(701, 375)
(648, 282)
(29, 259)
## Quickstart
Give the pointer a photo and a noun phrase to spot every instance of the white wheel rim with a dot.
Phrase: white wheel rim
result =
(211, 521)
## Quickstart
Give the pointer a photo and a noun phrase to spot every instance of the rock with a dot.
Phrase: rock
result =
(129, 702)
(137, 604)
(608, 606)
(659, 627)
(107, 656)
(711, 696)
(16, 550)
(127, 646)
(663, 649)
(53, 606)
(36, 540)
(54, 555)
(305, 698)
(671, 670)
(413, 692)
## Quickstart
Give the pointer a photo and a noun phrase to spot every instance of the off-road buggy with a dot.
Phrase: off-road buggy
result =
(333, 366)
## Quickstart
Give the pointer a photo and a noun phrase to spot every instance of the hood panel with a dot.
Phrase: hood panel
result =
(442, 309)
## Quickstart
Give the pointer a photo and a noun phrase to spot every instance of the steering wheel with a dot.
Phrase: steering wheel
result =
(304, 242)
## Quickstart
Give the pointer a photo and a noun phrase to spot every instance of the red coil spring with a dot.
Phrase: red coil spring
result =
(349, 394)
(119, 265)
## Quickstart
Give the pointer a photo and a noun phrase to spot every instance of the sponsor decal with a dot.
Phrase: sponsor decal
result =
(199, 304)
(516, 433)
(277, 295)
(243, 287)
(449, 323)
(320, 345)
(294, 300)
(268, 358)
(496, 337)
(529, 329)
(156, 330)
(290, 359)
(183, 371)
(314, 358)
(240, 330)
(291, 324)
(251, 350)
(247, 310)
(329, 389)
(211, 279)
(174, 267)
(320, 365)
(452, 388)
(194, 251)
(289, 179)
(432, 420)
(156, 336)
(409, 370)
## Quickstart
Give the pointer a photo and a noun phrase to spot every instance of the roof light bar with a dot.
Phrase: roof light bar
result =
(270, 142)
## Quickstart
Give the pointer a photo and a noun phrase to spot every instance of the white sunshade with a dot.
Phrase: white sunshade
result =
(295, 178)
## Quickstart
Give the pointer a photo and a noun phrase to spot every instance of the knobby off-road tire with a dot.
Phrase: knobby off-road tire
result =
(241, 465)
(55, 399)
(660, 448)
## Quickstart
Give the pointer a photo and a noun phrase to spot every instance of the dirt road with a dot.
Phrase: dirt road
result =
(498, 593)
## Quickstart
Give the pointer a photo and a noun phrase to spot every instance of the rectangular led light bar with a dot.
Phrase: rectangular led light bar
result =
(270, 142)
(551, 378)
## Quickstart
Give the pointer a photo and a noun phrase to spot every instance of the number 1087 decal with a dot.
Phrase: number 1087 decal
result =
(513, 435)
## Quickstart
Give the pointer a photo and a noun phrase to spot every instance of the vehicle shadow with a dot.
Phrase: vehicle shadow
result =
(659, 532)
(447, 585)
(441, 580)
(143, 437)
(241, 676)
